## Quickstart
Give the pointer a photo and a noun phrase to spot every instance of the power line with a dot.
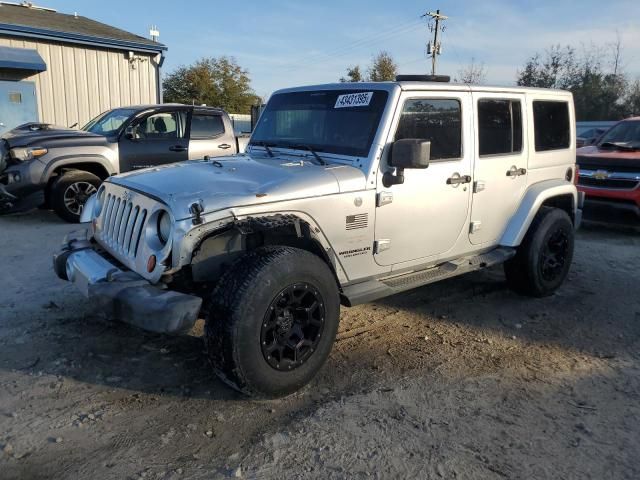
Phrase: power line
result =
(435, 49)
(358, 44)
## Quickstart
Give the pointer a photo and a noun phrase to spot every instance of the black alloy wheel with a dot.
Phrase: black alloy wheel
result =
(292, 326)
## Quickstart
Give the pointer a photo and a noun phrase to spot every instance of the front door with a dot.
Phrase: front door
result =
(425, 216)
(154, 140)
(18, 104)
(501, 164)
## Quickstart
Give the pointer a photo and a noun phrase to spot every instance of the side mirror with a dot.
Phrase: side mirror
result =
(406, 153)
(130, 132)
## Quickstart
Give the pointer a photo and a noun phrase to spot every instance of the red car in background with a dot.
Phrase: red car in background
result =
(610, 174)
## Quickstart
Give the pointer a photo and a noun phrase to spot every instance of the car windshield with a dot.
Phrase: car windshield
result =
(623, 134)
(343, 122)
(108, 123)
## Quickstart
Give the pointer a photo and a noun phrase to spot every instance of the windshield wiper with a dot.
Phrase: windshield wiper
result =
(267, 146)
(619, 146)
(319, 159)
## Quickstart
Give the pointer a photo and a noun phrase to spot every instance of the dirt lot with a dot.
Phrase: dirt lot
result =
(463, 379)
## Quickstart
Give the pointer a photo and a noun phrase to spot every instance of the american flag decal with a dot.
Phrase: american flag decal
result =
(357, 221)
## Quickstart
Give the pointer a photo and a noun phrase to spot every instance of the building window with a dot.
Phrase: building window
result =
(15, 97)
(499, 127)
(551, 123)
(206, 126)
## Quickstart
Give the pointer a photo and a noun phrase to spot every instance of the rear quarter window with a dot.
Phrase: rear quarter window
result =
(206, 126)
(551, 124)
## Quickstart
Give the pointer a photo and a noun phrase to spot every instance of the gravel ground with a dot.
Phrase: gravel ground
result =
(462, 379)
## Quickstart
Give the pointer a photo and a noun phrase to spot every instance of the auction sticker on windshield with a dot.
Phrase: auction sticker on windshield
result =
(354, 100)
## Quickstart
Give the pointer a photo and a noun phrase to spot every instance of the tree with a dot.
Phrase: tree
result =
(383, 68)
(632, 99)
(353, 75)
(217, 82)
(598, 94)
(472, 74)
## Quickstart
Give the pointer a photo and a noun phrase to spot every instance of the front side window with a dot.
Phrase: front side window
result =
(551, 124)
(206, 126)
(436, 120)
(161, 126)
(343, 122)
(499, 127)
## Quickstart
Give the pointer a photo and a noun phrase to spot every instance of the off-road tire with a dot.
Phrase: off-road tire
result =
(535, 271)
(238, 314)
(60, 186)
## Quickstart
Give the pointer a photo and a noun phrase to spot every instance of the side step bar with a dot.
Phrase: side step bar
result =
(371, 290)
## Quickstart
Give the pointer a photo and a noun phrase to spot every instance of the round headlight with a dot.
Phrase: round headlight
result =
(165, 225)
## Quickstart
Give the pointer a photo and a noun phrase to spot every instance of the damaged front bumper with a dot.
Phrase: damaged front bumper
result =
(123, 294)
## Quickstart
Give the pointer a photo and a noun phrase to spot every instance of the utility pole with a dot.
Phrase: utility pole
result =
(434, 49)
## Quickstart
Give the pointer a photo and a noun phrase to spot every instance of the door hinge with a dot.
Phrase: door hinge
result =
(381, 245)
(384, 198)
(475, 226)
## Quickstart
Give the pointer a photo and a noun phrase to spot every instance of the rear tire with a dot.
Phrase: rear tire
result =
(70, 191)
(272, 322)
(543, 260)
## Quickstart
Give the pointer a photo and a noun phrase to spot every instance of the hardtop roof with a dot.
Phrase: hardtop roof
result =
(425, 86)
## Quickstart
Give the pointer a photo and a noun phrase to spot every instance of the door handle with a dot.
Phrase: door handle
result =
(178, 148)
(457, 179)
(516, 172)
(224, 146)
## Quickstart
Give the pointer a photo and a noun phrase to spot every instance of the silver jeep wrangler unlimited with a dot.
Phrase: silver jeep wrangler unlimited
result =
(347, 193)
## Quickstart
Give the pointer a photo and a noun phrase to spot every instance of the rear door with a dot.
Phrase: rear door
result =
(155, 139)
(210, 134)
(500, 171)
(18, 104)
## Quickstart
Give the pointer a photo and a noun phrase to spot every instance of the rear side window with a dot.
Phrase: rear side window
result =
(551, 123)
(499, 126)
(436, 120)
(206, 126)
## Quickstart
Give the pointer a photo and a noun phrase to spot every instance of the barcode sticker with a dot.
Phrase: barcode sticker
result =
(354, 100)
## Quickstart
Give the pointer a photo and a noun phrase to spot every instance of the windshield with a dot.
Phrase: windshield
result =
(108, 123)
(343, 122)
(627, 133)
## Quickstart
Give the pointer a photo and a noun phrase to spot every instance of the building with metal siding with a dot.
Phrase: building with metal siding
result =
(88, 67)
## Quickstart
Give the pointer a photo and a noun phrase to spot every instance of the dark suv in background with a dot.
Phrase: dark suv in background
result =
(57, 167)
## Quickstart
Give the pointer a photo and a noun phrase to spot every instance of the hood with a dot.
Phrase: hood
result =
(39, 133)
(240, 180)
(594, 157)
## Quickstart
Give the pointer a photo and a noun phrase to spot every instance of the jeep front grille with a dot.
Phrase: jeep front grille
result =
(123, 225)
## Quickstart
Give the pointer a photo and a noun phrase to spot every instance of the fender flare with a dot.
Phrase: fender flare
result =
(535, 196)
(70, 160)
(260, 220)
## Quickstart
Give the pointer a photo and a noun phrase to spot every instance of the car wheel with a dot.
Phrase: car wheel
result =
(543, 259)
(70, 191)
(272, 322)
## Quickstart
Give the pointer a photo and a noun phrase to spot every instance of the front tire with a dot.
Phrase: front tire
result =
(70, 191)
(543, 259)
(272, 322)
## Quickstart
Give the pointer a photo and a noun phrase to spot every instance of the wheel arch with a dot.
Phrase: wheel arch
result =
(549, 193)
(280, 229)
(98, 166)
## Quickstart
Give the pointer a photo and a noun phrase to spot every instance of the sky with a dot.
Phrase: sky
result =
(285, 43)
